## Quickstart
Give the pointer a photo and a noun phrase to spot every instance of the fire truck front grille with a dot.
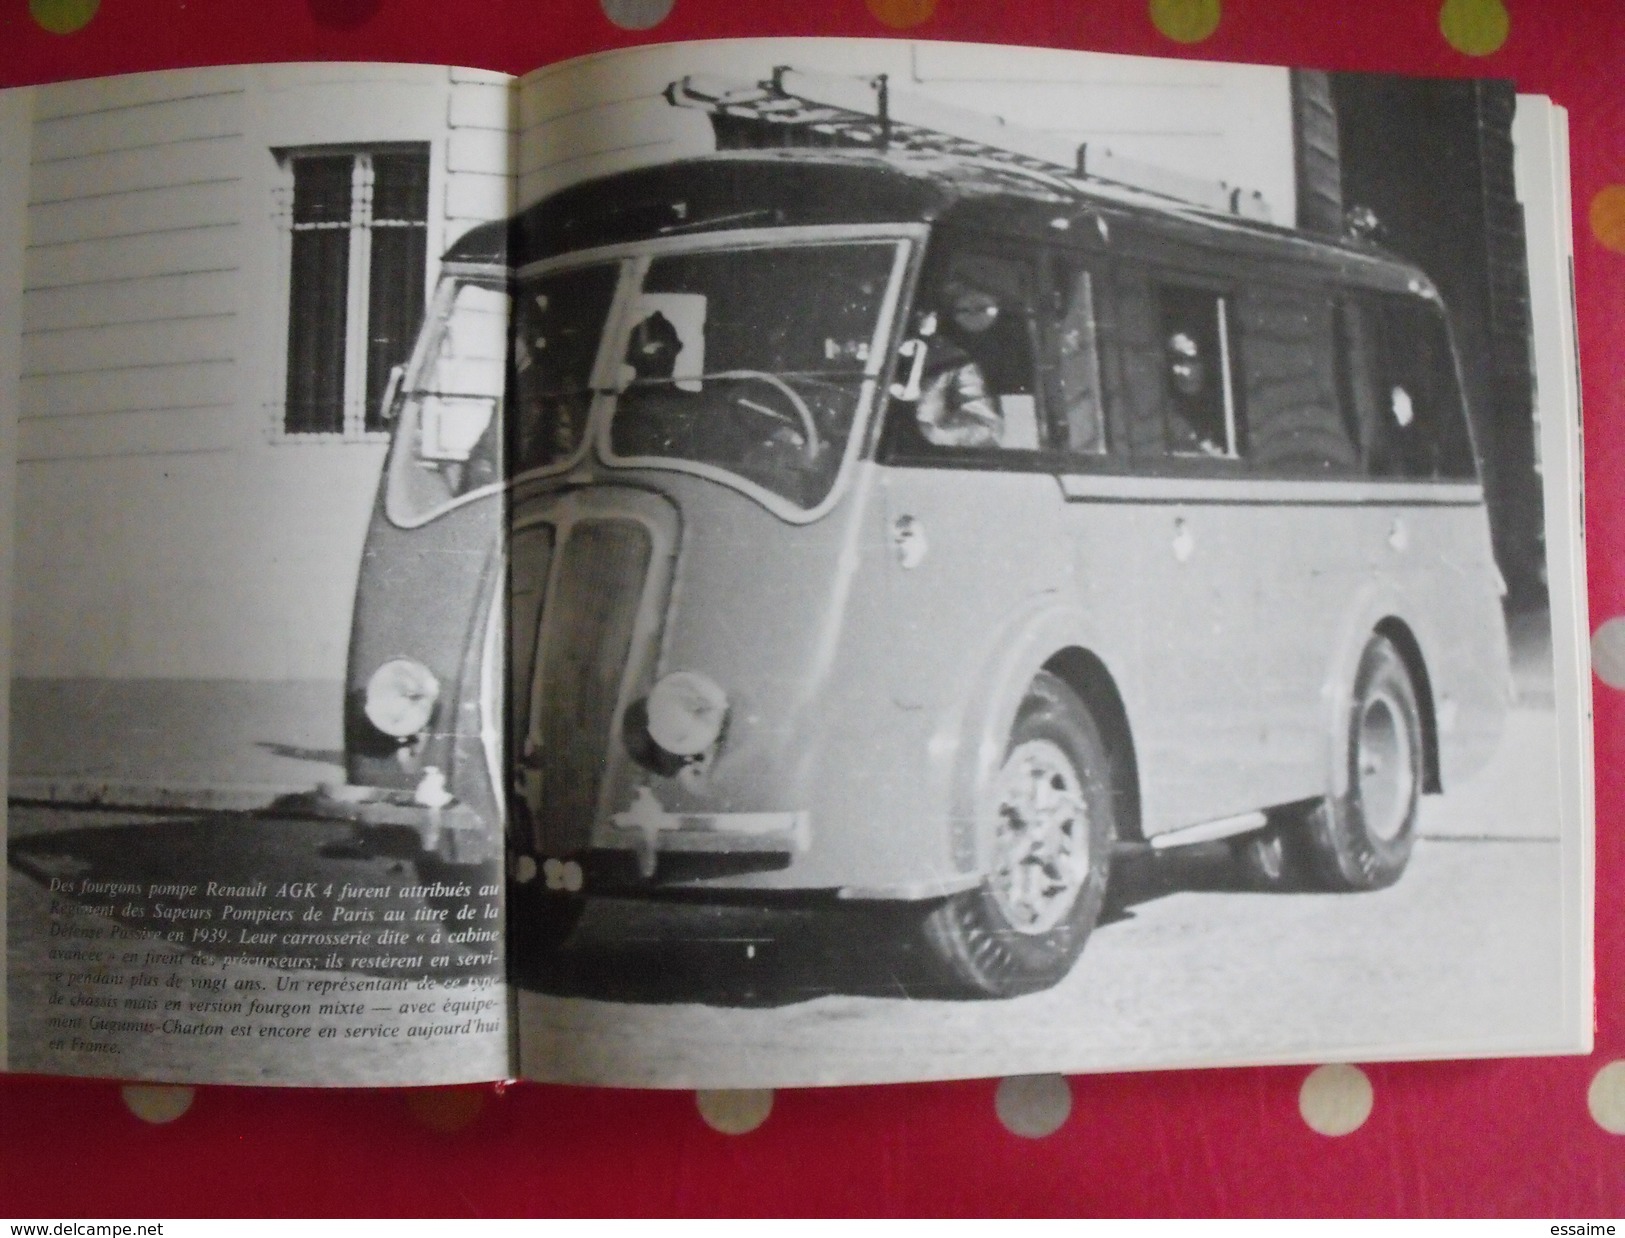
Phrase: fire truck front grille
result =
(586, 625)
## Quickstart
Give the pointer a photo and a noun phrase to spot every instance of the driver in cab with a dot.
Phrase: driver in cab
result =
(666, 412)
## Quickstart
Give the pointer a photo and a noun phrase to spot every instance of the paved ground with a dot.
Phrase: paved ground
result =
(1461, 959)
(1466, 955)
(120, 847)
(1475, 951)
(173, 743)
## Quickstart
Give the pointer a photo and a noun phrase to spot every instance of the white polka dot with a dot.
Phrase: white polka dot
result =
(1608, 653)
(157, 1104)
(1335, 1100)
(1033, 1106)
(735, 1111)
(1606, 1098)
(636, 14)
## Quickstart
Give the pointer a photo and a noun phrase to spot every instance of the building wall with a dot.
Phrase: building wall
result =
(1231, 123)
(165, 527)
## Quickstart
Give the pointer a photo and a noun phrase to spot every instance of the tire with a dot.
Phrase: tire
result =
(1362, 839)
(1051, 837)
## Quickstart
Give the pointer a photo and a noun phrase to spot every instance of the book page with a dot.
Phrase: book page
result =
(1541, 135)
(239, 845)
(15, 107)
(1027, 561)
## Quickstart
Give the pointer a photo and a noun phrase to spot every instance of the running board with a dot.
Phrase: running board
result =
(1210, 831)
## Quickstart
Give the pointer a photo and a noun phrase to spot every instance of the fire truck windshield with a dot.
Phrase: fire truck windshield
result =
(749, 363)
(753, 362)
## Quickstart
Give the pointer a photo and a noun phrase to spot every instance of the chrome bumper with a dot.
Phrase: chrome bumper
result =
(647, 830)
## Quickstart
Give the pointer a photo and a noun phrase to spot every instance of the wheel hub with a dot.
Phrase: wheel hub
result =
(1041, 840)
(1384, 768)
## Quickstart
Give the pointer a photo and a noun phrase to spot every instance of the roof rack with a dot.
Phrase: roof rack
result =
(826, 110)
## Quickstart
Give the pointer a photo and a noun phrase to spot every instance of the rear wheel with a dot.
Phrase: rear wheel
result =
(1051, 835)
(1362, 839)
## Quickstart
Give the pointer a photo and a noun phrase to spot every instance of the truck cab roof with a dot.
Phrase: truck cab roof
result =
(798, 187)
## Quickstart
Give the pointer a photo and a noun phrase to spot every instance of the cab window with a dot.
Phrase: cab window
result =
(1399, 387)
(558, 321)
(1079, 424)
(1199, 413)
(977, 389)
(752, 361)
(1295, 420)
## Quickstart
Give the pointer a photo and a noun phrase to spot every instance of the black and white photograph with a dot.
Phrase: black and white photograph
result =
(792, 562)
(1045, 570)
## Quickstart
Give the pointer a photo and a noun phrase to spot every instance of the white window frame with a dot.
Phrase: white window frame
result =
(358, 280)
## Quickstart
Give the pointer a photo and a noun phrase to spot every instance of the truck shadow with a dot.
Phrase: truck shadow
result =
(633, 951)
(668, 951)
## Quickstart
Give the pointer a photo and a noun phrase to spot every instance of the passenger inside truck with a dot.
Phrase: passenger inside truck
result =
(652, 350)
(958, 406)
(977, 388)
(1196, 401)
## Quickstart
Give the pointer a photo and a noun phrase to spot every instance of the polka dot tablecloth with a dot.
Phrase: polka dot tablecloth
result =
(1530, 1137)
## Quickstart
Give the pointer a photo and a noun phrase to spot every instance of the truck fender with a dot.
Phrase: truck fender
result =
(1375, 602)
(977, 730)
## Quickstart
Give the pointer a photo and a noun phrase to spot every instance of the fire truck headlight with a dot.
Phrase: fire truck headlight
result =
(401, 696)
(686, 713)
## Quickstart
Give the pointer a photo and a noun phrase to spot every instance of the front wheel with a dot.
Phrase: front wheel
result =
(1051, 835)
(1362, 839)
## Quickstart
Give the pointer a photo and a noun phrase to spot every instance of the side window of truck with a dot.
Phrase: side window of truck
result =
(1139, 350)
(1398, 384)
(1200, 412)
(1078, 420)
(1295, 420)
(558, 322)
(978, 390)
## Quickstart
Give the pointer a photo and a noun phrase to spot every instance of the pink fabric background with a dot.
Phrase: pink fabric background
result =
(1498, 1138)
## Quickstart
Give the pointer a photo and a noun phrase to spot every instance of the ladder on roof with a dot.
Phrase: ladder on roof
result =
(823, 109)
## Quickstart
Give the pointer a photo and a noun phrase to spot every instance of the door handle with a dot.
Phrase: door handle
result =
(1184, 543)
(908, 541)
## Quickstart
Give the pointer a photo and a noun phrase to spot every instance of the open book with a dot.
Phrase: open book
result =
(765, 563)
